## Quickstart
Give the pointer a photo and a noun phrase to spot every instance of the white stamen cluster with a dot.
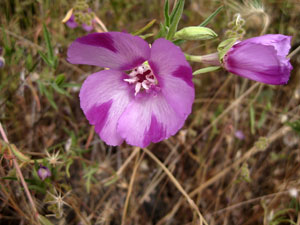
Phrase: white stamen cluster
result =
(143, 78)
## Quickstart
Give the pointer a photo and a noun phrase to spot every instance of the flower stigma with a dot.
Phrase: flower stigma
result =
(143, 78)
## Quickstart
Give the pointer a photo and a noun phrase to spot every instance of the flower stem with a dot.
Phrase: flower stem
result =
(211, 59)
(193, 58)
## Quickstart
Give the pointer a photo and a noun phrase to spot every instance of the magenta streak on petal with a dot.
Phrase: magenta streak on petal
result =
(103, 40)
(97, 115)
(155, 133)
(184, 73)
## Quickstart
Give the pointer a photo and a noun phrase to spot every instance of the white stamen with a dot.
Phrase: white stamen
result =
(141, 81)
(137, 88)
(145, 85)
(131, 80)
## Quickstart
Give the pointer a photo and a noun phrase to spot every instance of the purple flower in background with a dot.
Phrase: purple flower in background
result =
(146, 94)
(262, 59)
(72, 24)
(70, 20)
(239, 135)
(43, 172)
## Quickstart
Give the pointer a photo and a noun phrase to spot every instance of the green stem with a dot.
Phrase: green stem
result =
(193, 58)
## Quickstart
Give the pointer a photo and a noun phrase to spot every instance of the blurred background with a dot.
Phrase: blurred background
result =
(237, 156)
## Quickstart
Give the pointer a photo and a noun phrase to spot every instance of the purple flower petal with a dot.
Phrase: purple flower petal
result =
(103, 98)
(280, 42)
(149, 118)
(114, 50)
(168, 60)
(87, 28)
(174, 75)
(71, 22)
(258, 62)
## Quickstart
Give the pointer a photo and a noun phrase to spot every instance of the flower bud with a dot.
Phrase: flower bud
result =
(195, 33)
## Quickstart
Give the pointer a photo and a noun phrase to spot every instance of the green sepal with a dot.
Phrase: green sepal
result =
(225, 46)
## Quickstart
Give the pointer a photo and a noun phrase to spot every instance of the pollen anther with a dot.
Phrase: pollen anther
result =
(143, 78)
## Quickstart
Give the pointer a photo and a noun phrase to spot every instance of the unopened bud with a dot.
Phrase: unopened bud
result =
(195, 33)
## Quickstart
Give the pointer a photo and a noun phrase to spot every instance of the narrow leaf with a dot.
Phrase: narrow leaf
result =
(208, 19)
(206, 70)
(59, 90)
(60, 79)
(44, 220)
(225, 46)
(166, 13)
(44, 57)
(175, 17)
(48, 44)
(146, 27)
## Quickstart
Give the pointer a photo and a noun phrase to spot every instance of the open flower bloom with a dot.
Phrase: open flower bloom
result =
(262, 59)
(43, 172)
(146, 94)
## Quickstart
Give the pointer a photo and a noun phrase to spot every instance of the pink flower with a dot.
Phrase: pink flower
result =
(72, 24)
(43, 172)
(146, 94)
(262, 59)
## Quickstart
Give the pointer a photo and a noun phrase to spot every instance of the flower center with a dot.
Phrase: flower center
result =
(142, 77)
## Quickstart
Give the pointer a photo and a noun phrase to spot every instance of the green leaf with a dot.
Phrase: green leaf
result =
(166, 13)
(59, 89)
(9, 178)
(71, 85)
(162, 31)
(48, 44)
(44, 57)
(49, 96)
(206, 70)
(146, 27)
(178, 42)
(175, 17)
(174, 10)
(195, 33)
(60, 79)
(44, 220)
(146, 36)
(225, 46)
(252, 119)
(295, 126)
(262, 119)
(208, 19)
(7, 46)
(69, 163)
